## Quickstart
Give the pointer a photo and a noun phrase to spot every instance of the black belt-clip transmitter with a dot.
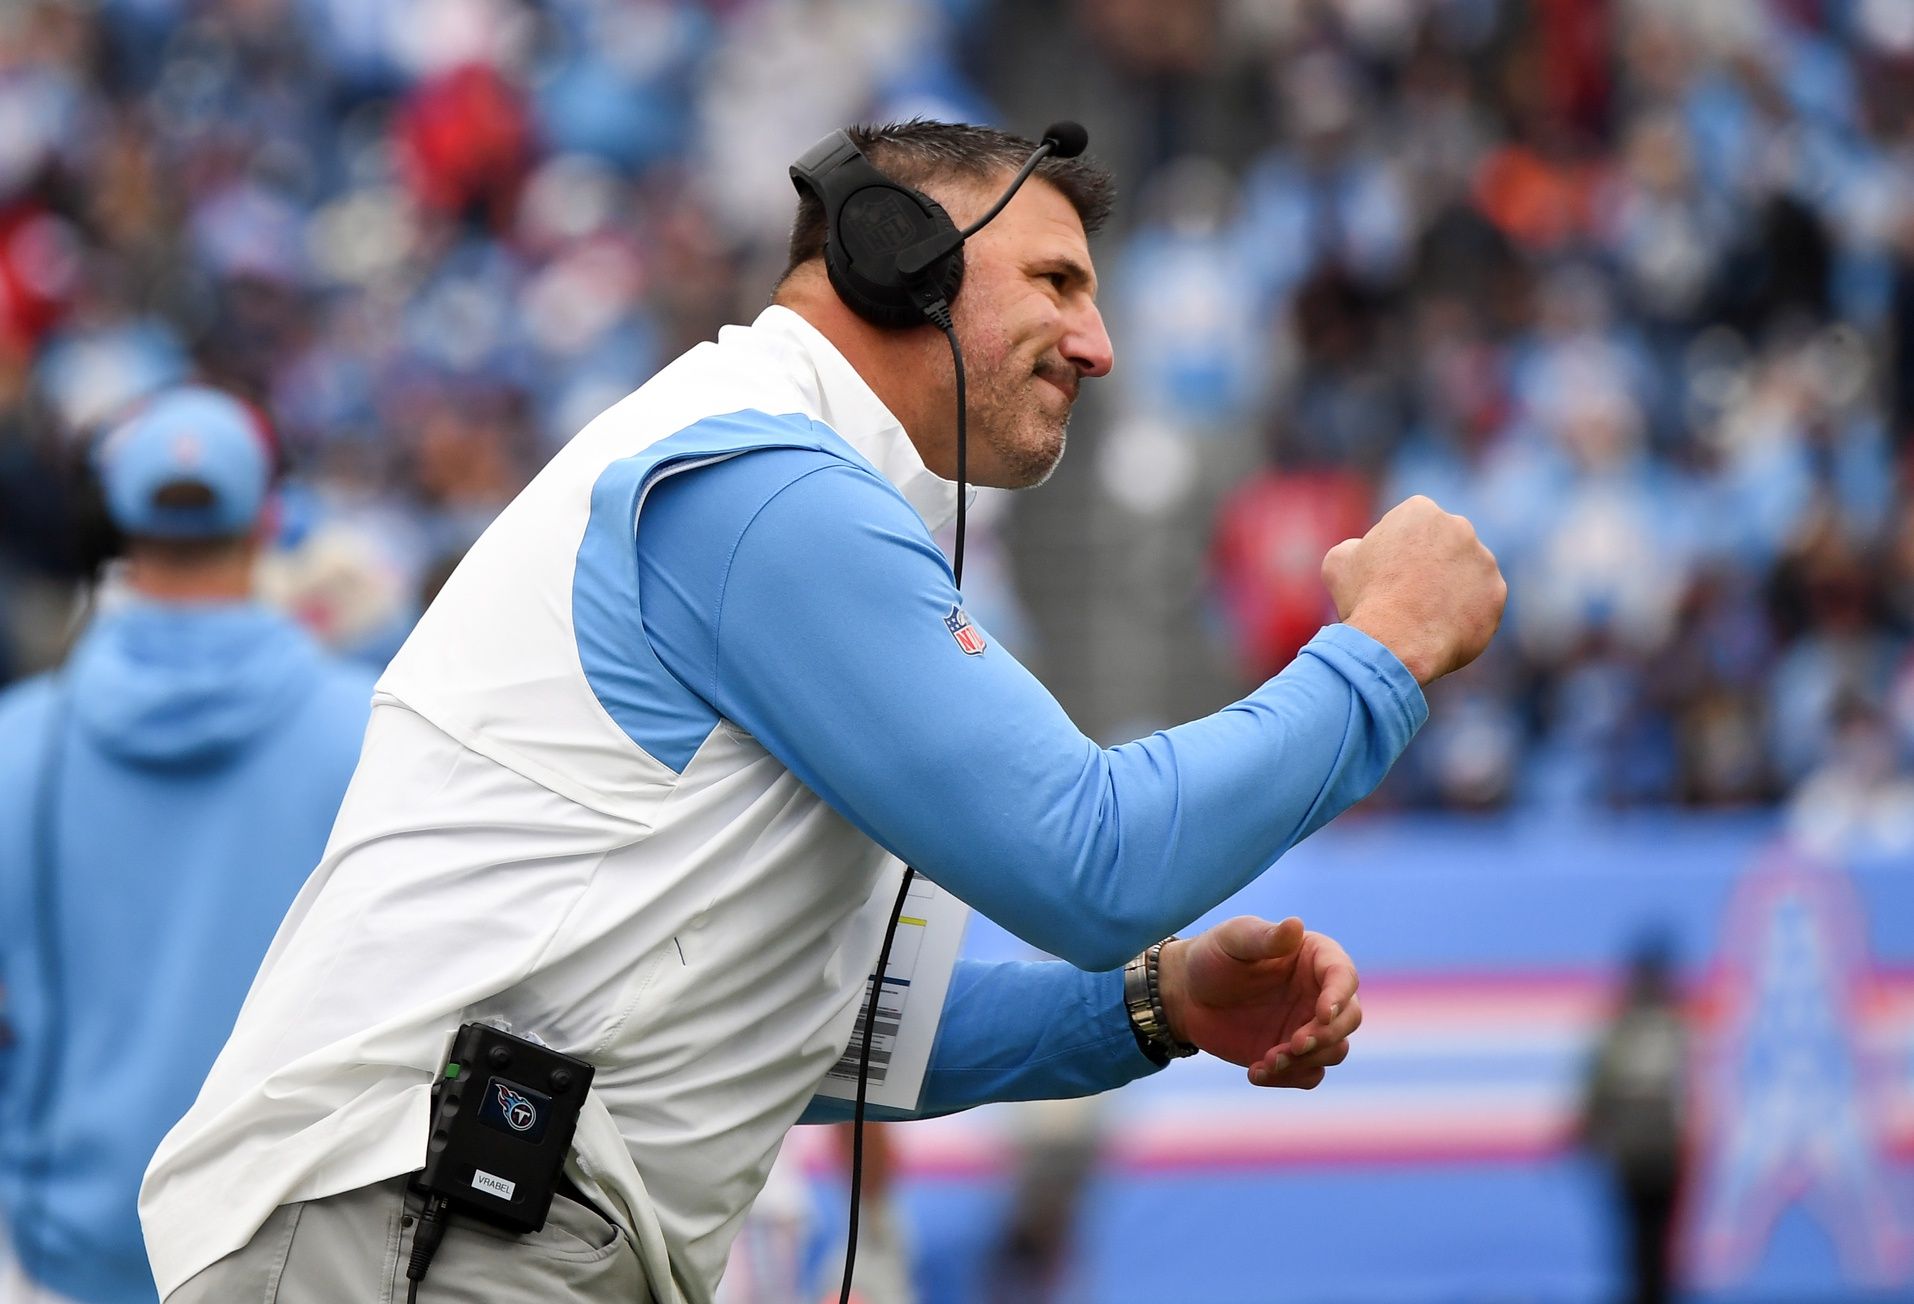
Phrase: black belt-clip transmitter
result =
(504, 1111)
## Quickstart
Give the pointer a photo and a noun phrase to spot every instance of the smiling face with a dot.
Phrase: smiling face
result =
(1027, 319)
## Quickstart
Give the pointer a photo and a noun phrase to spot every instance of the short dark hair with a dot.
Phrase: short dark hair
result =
(922, 151)
(186, 495)
(183, 496)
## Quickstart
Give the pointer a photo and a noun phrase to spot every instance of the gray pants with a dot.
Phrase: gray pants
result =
(353, 1248)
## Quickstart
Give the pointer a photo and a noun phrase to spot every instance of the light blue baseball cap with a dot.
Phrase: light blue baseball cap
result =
(192, 435)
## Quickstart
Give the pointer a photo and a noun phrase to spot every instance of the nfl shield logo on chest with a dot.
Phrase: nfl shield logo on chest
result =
(964, 632)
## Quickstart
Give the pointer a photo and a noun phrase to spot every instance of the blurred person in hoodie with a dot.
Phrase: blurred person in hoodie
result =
(162, 798)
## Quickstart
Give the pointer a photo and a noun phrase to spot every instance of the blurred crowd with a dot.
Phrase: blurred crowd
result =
(1630, 283)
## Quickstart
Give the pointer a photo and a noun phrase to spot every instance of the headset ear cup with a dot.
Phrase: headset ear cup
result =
(873, 224)
(893, 308)
(869, 220)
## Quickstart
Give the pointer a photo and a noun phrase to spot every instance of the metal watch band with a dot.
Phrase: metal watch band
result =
(1143, 998)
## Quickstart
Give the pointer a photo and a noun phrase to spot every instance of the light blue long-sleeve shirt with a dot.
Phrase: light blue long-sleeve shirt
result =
(801, 597)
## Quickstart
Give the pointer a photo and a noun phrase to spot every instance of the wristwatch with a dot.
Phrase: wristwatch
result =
(1143, 998)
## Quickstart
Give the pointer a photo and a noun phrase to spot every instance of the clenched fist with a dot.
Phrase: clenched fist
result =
(1421, 584)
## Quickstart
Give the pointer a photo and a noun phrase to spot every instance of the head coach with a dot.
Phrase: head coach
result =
(642, 782)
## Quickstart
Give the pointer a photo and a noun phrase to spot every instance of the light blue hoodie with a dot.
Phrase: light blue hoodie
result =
(203, 752)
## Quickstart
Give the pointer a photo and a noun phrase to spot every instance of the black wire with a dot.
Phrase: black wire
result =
(426, 1235)
(939, 316)
(963, 450)
(918, 259)
(864, 1080)
(1023, 174)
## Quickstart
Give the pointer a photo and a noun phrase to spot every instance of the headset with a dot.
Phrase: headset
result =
(895, 257)
(897, 260)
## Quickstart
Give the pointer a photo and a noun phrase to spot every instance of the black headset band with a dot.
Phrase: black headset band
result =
(819, 165)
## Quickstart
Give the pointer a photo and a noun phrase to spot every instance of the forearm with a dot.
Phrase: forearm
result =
(1182, 820)
(974, 775)
(1020, 1031)
(820, 629)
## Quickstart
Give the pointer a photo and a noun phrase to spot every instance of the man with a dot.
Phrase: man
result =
(641, 780)
(1632, 1116)
(161, 799)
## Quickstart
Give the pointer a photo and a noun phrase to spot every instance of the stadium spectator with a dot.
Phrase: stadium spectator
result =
(1634, 1119)
(1266, 558)
(162, 797)
(1859, 802)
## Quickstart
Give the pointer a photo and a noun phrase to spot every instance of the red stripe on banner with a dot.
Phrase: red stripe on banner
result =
(1897, 1129)
(1423, 1150)
(983, 1154)
(1445, 1021)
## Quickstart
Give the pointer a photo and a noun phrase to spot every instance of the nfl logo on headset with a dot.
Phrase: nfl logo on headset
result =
(964, 632)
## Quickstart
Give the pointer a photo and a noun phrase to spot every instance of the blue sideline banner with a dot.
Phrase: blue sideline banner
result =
(1439, 1163)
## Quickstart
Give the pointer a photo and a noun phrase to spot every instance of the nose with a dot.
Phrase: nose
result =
(1086, 343)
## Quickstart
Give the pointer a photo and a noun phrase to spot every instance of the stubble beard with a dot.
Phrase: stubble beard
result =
(1027, 439)
(1008, 406)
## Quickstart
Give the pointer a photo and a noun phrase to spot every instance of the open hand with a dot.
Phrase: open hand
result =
(1274, 997)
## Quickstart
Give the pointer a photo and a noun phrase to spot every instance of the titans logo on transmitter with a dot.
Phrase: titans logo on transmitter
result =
(515, 1110)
